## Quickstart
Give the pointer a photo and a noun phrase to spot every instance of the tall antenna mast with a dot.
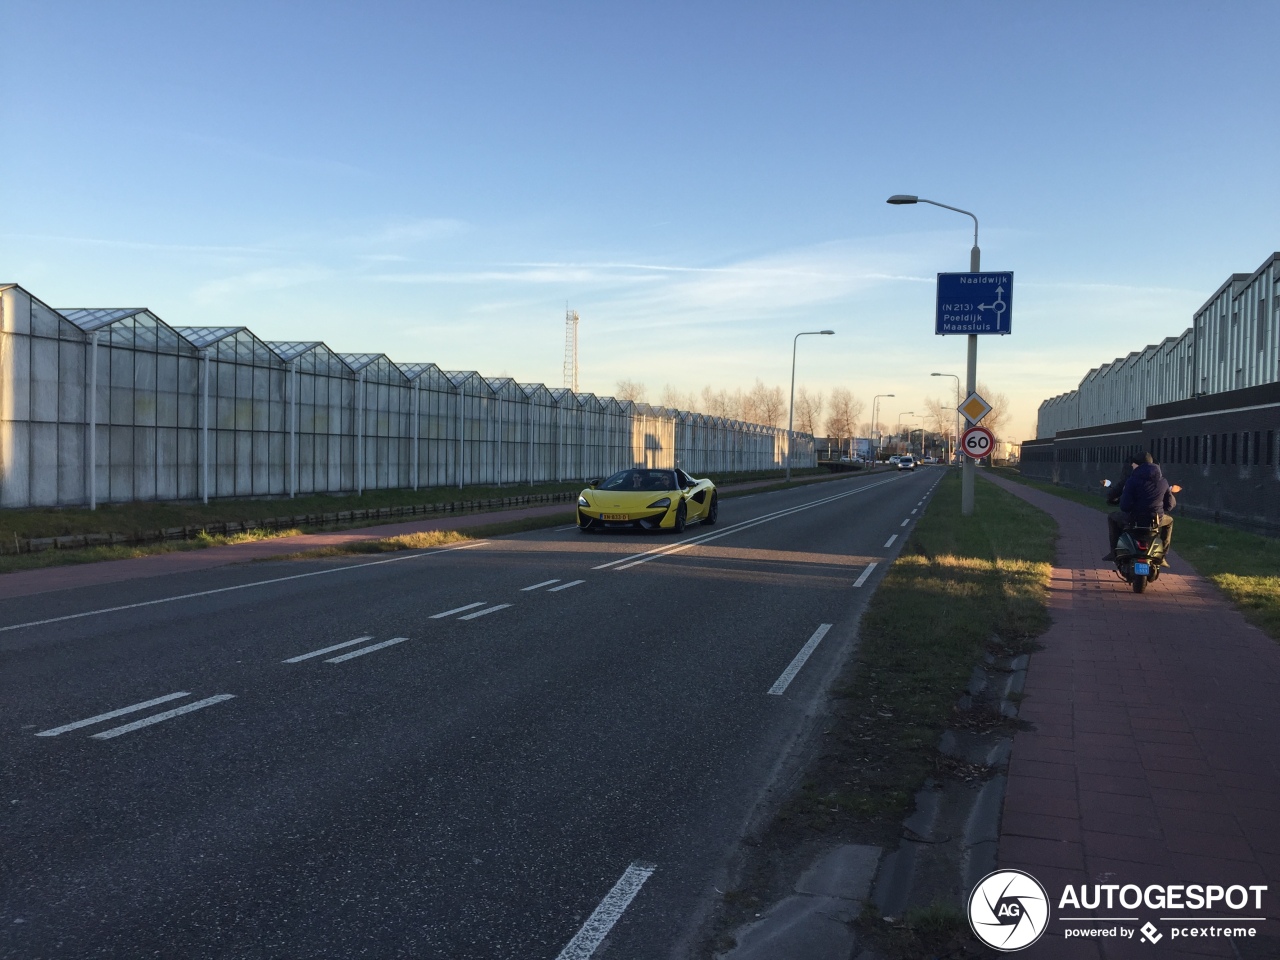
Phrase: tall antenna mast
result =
(571, 348)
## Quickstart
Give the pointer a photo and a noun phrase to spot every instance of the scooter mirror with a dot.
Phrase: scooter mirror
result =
(1106, 483)
(1176, 488)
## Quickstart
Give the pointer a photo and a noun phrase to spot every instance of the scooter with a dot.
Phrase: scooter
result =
(1140, 551)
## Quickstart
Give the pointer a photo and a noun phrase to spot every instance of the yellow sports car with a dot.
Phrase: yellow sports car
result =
(647, 499)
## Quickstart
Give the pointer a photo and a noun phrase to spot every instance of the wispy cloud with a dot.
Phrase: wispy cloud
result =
(271, 278)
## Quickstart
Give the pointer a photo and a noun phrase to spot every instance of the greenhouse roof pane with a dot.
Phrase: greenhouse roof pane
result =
(93, 318)
(288, 350)
(203, 336)
(358, 361)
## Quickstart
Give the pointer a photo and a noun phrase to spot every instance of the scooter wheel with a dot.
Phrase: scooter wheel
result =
(1139, 583)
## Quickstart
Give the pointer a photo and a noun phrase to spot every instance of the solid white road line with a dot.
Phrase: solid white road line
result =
(566, 586)
(317, 653)
(889, 543)
(243, 586)
(544, 583)
(369, 649)
(865, 573)
(780, 685)
(111, 715)
(602, 919)
(485, 612)
(735, 528)
(450, 613)
(167, 715)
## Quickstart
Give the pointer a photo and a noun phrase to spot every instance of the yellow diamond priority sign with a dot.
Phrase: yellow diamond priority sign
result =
(974, 408)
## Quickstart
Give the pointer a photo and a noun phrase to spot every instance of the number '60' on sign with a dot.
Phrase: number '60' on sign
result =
(977, 442)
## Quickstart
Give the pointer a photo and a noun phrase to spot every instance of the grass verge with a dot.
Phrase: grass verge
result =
(12, 563)
(1245, 566)
(962, 587)
(431, 538)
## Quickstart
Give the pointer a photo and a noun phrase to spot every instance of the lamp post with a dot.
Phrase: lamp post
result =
(971, 367)
(898, 428)
(957, 380)
(791, 412)
(875, 402)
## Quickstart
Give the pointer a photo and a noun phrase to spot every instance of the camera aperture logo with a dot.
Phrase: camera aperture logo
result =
(1008, 910)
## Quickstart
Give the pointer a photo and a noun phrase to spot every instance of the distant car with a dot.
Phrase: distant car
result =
(895, 458)
(907, 463)
(647, 500)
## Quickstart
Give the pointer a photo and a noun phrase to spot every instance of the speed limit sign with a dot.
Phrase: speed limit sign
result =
(977, 442)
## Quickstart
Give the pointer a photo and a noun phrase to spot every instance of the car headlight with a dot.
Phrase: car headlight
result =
(664, 502)
(582, 502)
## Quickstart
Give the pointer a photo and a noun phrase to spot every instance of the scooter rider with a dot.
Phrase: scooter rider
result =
(1146, 495)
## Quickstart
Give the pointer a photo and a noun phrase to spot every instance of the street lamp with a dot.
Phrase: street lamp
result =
(898, 428)
(875, 423)
(957, 380)
(791, 415)
(971, 371)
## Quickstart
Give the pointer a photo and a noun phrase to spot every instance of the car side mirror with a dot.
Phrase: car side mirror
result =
(593, 483)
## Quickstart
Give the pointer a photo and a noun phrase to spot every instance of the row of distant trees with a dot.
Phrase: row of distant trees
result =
(837, 415)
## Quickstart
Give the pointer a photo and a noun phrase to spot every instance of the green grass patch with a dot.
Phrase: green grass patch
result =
(12, 563)
(1245, 566)
(962, 586)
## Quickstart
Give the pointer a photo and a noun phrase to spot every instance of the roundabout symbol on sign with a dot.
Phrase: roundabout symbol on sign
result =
(977, 442)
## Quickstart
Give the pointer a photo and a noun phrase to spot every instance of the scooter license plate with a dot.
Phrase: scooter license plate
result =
(1142, 568)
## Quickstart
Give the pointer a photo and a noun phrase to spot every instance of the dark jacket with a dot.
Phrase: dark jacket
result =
(1117, 489)
(1146, 493)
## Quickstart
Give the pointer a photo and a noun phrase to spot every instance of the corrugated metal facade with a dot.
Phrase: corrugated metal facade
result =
(1232, 344)
(116, 405)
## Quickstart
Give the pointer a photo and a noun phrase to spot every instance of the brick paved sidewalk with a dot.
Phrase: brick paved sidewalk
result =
(1154, 756)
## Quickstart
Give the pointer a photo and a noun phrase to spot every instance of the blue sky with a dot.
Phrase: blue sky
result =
(700, 181)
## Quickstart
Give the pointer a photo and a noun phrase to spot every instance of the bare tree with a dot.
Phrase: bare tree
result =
(716, 403)
(999, 414)
(678, 399)
(940, 417)
(841, 420)
(767, 403)
(630, 390)
(808, 411)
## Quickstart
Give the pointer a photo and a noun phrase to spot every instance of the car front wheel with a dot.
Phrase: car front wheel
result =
(713, 511)
(682, 514)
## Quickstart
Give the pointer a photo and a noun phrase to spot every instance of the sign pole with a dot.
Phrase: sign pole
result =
(971, 376)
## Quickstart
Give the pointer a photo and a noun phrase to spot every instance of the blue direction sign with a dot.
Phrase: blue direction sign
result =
(974, 303)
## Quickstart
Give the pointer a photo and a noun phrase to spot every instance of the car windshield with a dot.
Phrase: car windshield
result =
(651, 480)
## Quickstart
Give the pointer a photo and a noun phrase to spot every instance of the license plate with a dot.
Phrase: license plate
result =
(1142, 568)
(613, 516)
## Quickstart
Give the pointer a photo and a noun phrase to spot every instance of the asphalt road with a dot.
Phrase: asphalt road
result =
(545, 746)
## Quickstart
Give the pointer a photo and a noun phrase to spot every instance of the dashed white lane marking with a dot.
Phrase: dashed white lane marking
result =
(889, 543)
(544, 583)
(318, 653)
(780, 685)
(485, 612)
(913, 511)
(638, 558)
(906, 521)
(112, 714)
(602, 919)
(369, 649)
(243, 586)
(450, 613)
(566, 586)
(865, 573)
(167, 715)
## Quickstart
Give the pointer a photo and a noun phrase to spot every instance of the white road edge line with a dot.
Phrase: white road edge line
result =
(111, 714)
(167, 715)
(487, 610)
(865, 573)
(889, 543)
(336, 646)
(544, 583)
(449, 613)
(566, 586)
(369, 649)
(592, 934)
(242, 586)
(780, 685)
